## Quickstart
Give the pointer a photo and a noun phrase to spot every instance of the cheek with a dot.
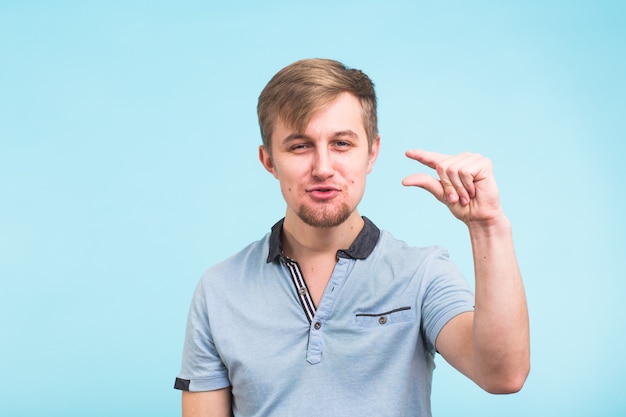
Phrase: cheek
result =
(286, 186)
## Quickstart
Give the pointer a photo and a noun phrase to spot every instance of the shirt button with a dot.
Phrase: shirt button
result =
(382, 320)
(317, 325)
(302, 291)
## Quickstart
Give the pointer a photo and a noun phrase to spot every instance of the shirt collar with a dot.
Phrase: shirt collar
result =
(361, 248)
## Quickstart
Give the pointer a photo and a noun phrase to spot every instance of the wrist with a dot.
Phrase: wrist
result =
(494, 226)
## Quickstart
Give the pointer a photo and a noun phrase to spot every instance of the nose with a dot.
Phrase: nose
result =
(323, 165)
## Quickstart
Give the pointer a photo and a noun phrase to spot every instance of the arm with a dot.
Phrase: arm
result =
(490, 345)
(207, 403)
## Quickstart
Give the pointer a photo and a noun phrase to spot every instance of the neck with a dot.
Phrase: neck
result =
(301, 241)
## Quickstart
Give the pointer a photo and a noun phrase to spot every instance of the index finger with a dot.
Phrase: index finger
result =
(430, 159)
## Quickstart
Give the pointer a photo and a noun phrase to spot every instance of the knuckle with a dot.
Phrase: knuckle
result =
(451, 170)
(465, 172)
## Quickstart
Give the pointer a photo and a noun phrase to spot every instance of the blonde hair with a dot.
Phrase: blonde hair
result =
(297, 91)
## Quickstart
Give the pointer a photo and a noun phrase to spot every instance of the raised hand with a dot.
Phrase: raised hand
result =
(466, 184)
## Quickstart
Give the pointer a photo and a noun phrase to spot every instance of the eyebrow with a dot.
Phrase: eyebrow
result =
(294, 136)
(348, 133)
(338, 134)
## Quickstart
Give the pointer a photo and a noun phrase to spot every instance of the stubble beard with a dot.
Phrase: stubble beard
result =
(325, 217)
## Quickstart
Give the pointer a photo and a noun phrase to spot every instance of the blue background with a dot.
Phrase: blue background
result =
(128, 164)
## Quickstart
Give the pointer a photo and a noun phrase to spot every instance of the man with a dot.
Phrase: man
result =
(329, 316)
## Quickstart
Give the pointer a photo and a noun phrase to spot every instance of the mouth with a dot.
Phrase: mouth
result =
(323, 188)
(323, 193)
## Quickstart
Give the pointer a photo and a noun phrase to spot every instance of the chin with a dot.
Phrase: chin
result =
(324, 218)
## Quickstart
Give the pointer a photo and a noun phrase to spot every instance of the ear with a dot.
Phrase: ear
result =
(266, 161)
(373, 153)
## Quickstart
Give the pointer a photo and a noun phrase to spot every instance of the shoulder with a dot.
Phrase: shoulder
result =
(426, 265)
(392, 248)
(251, 257)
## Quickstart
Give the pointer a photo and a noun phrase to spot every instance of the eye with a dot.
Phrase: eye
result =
(342, 144)
(298, 147)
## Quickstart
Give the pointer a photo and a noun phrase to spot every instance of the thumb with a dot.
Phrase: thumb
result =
(426, 182)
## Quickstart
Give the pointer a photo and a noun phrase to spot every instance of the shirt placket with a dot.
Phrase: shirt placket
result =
(317, 317)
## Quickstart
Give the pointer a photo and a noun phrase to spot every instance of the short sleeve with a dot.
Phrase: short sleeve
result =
(202, 369)
(447, 294)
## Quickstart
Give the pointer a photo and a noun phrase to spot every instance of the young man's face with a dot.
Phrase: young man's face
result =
(322, 170)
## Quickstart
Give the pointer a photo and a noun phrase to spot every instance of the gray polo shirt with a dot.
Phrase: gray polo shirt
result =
(367, 350)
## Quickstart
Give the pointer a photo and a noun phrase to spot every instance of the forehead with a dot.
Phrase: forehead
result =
(342, 114)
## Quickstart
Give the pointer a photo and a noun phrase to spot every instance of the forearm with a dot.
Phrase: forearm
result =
(501, 328)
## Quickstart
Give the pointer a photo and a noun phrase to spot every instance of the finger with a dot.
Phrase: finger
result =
(447, 170)
(453, 185)
(471, 172)
(438, 162)
(426, 182)
(430, 159)
(461, 173)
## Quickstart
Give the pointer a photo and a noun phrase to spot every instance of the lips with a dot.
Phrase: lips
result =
(323, 192)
